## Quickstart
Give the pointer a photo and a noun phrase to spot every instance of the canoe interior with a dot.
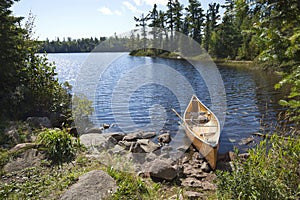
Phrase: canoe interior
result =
(202, 123)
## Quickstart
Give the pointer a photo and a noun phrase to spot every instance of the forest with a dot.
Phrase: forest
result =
(248, 30)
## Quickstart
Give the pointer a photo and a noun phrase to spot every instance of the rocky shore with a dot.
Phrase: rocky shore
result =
(146, 154)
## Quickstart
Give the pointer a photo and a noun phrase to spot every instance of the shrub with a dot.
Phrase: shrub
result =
(129, 186)
(271, 172)
(58, 145)
(293, 100)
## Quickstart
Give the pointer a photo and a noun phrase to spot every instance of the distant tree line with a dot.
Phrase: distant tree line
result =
(69, 45)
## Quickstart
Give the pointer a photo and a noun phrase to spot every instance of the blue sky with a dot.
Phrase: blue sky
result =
(87, 18)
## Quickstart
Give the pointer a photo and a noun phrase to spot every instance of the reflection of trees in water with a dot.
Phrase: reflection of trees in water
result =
(267, 98)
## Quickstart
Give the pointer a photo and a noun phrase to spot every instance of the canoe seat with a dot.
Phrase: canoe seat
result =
(198, 117)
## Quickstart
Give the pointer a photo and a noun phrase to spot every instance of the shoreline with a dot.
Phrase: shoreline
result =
(177, 56)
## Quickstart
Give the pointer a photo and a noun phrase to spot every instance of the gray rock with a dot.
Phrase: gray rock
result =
(118, 150)
(205, 167)
(148, 135)
(167, 148)
(164, 138)
(232, 156)
(111, 142)
(162, 170)
(195, 183)
(39, 122)
(126, 144)
(191, 182)
(151, 156)
(194, 195)
(117, 136)
(94, 142)
(208, 186)
(93, 185)
(246, 141)
(183, 148)
(185, 159)
(147, 145)
(164, 156)
(136, 148)
(29, 158)
(139, 135)
(94, 130)
(197, 157)
(13, 135)
(105, 126)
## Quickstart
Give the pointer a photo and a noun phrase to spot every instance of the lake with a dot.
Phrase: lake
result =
(138, 93)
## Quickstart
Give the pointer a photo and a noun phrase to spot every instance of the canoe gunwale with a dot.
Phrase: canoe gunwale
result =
(192, 132)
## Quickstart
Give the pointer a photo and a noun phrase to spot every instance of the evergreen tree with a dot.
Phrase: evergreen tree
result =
(28, 83)
(142, 21)
(212, 17)
(194, 20)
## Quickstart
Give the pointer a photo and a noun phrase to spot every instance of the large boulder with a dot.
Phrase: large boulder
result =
(93, 185)
(162, 170)
(94, 142)
(147, 145)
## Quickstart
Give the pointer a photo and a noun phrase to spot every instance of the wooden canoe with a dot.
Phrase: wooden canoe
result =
(203, 129)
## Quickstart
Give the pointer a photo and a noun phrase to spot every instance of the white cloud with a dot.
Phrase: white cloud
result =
(117, 12)
(105, 11)
(158, 2)
(131, 7)
(137, 2)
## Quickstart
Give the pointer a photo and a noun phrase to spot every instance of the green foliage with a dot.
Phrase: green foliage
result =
(271, 172)
(28, 83)
(58, 145)
(293, 102)
(4, 158)
(81, 110)
(129, 186)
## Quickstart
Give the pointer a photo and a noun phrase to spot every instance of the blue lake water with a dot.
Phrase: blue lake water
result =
(138, 93)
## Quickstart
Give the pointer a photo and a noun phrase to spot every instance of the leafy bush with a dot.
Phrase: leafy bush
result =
(271, 172)
(58, 145)
(293, 100)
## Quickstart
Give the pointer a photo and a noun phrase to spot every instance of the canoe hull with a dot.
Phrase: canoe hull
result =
(203, 134)
(207, 151)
